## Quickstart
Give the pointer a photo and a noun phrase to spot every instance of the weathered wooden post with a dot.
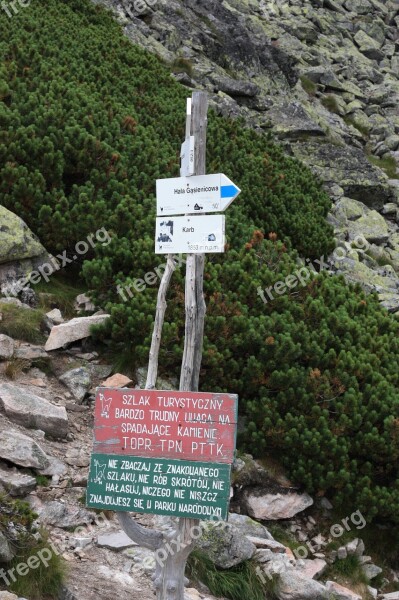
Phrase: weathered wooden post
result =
(129, 424)
(169, 573)
(169, 580)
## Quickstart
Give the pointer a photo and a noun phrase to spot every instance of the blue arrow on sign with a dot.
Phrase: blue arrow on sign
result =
(228, 191)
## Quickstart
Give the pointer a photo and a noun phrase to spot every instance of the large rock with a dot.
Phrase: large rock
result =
(32, 411)
(17, 240)
(78, 381)
(361, 7)
(368, 46)
(72, 331)
(225, 545)
(31, 353)
(293, 584)
(292, 121)
(59, 514)
(371, 226)
(6, 552)
(20, 250)
(21, 450)
(312, 568)
(249, 527)
(118, 381)
(347, 209)
(16, 483)
(339, 592)
(371, 570)
(6, 347)
(349, 166)
(386, 285)
(232, 87)
(265, 505)
(115, 540)
(267, 544)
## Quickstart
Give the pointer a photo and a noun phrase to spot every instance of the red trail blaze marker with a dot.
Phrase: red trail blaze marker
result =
(198, 426)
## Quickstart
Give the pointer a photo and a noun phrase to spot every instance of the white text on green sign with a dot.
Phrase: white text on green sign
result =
(158, 486)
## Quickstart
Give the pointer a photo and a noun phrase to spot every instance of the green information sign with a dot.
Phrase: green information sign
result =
(163, 487)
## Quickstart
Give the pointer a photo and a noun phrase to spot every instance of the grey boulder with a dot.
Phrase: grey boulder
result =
(29, 410)
(225, 545)
(249, 527)
(295, 585)
(78, 381)
(339, 592)
(115, 540)
(59, 514)
(265, 505)
(6, 347)
(16, 483)
(72, 331)
(21, 450)
(6, 552)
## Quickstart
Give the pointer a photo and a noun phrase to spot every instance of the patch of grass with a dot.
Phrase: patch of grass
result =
(21, 323)
(59, 293)
(380, 260)
(121, 360)
(308, 85)
(15, 366)
(330, 103)
(349, 567)
(274, 467)
(236, 583)
(363, 129)
(382, 545)
(182, 65)
(386, 164)
(347, 570)
(46, 579)
(282, 535)
(42, 480)
(390, 587)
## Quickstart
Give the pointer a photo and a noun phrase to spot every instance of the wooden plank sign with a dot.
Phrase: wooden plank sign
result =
(157, 486)
(198, 426)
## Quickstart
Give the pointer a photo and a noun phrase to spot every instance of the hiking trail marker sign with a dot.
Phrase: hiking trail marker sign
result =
(191, 234)
(163, 452)
(198, 194)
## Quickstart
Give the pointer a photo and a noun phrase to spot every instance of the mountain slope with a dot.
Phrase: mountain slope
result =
(89, 123)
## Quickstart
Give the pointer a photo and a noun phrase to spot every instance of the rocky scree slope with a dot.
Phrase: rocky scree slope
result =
(323, 77)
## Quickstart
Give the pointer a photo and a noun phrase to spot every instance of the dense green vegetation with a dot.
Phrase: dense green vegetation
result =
(88, 123)
(241, 581)
(16, 525)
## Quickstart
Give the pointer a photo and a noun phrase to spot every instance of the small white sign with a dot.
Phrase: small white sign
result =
(187, 157)
(191, 235)
(197, 194)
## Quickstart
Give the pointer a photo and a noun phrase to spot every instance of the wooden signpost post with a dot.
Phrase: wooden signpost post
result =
(168, 452)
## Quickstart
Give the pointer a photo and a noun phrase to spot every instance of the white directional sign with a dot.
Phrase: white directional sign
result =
(192, 235)
(198, 194)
